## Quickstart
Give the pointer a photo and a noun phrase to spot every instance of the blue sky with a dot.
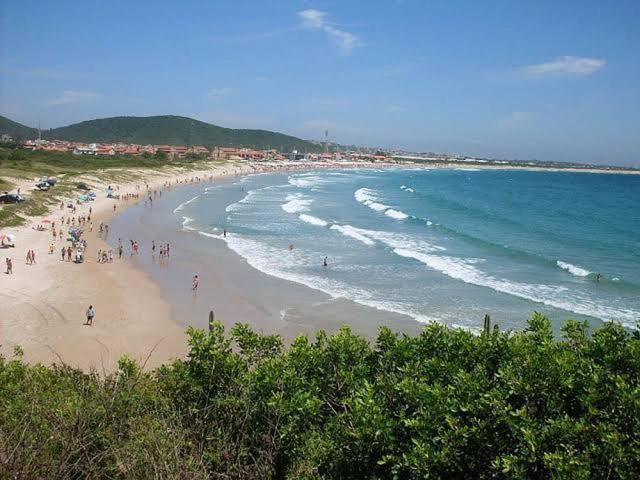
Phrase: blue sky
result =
(541, 79)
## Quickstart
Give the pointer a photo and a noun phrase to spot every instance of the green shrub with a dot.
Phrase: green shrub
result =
(443, 404)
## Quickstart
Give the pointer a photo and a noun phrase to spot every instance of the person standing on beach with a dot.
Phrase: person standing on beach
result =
(33, 257)
(153, 247)
(195, 283)
(9, 266)
(90, 314)
(63, 251)
(28, 257)
(69, 253)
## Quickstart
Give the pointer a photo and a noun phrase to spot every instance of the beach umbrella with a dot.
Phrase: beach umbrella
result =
(7, 236)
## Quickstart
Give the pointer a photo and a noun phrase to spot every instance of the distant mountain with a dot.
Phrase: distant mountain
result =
(163, 129)
(15, 129)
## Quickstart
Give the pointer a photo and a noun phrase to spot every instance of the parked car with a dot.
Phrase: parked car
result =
(49, 181)
(11, 198)
(43, 186)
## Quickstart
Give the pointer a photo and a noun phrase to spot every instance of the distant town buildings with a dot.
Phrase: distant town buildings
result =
(215, 153)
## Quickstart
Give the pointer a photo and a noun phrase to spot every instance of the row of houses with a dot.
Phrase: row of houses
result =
(80, 148)
(216, 153)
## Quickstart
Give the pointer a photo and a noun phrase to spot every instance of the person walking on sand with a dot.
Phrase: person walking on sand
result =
(9, 266)
(195, 283)
(33, 257)
(90, 314)
(69, 253)
(28, 257)
(63, 251)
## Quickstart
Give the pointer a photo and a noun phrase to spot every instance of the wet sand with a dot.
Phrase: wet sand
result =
(229, 286)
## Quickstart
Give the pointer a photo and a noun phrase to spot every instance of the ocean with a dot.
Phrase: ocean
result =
(446, 245)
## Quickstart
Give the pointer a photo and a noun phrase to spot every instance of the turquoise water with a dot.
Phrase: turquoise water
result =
(444, 245)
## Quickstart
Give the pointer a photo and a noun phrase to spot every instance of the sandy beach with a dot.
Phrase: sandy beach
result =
(44, 305)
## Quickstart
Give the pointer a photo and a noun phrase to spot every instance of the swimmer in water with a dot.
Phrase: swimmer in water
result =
(325, 262)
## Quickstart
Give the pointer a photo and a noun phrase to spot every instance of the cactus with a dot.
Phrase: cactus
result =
(487, 324)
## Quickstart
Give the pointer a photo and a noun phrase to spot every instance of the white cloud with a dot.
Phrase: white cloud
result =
(220, 92)
(345, 41)
(565, 65)
(69, 97)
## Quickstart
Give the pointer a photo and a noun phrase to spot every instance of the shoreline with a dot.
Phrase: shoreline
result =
(45, 303)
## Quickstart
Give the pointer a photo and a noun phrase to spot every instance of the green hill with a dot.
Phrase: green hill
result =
(15, 129)
(163, 129)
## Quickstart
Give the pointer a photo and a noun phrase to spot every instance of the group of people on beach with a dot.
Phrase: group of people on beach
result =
(31, 257)
(105, 256)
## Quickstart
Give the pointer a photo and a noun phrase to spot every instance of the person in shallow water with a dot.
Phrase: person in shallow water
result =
(325, 262)
(194, 285)
(598, 277)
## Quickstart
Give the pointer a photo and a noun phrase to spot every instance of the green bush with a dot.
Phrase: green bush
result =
(443, 404)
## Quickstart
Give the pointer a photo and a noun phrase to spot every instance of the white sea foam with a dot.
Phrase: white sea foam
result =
(305, 181)
(296, 202)
(406, 189)
(378, 207)
(353, 232)
(552, 295)
(180, 207)
(365, 195)
(573, 269)
(186, 222)
(312, 220)
(467, 169)
(429, 223)
(281, 264)
(397, 214)
(369, 198)
(246, 199)
(208, 234)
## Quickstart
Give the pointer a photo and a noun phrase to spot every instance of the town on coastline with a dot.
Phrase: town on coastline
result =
(329, 154)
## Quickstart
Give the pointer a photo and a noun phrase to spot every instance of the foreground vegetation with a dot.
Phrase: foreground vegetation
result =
(444, 404)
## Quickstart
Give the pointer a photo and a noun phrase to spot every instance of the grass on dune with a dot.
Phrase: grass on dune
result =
(71, 169)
